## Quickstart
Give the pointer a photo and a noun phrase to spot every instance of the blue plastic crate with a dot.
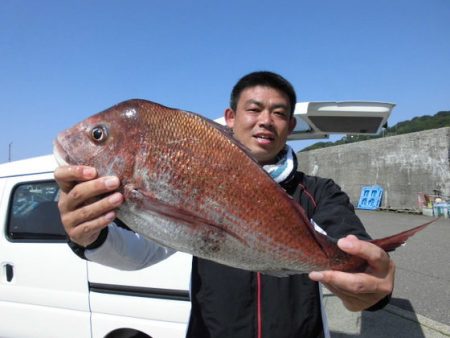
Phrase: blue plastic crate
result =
(370, 198)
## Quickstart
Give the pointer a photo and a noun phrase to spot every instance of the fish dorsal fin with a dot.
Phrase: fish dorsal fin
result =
(228, 132)
(326, 243)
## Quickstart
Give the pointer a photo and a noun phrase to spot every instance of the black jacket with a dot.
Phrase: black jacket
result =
(233, 303)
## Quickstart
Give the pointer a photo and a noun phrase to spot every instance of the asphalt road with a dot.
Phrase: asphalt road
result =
(422, 283)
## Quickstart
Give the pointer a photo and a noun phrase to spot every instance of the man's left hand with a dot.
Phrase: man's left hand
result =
(359, 291)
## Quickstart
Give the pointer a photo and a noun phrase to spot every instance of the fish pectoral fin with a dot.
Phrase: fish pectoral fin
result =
(147, 201)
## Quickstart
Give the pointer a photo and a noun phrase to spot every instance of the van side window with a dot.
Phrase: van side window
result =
(33, 212)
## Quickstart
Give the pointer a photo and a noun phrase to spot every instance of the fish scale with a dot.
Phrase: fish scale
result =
(189, 185)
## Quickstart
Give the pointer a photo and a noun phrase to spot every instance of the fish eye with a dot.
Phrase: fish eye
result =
(99, 134)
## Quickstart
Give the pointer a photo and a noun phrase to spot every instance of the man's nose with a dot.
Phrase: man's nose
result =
(265, 118)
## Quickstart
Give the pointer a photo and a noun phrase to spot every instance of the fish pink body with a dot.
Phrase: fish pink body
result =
(190, 186)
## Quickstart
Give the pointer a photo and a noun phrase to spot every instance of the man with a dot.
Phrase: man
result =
(229, 302)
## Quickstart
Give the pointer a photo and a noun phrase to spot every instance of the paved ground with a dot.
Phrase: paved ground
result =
(421, 301)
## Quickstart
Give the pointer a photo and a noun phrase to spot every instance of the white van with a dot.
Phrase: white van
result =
(47, 291)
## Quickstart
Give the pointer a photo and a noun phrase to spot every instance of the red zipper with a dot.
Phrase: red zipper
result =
(258, 300)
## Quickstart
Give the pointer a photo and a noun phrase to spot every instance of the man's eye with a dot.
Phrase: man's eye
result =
(281, 113)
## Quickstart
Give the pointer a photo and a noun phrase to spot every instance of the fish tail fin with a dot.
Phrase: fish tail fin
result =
(346, 262)
(390, 243)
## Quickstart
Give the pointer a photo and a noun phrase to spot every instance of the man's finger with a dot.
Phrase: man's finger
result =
(346, 283)
(86, 233)
(83, 192)
(374, 255)
(92, 211)
(342, 294)
(68, 176)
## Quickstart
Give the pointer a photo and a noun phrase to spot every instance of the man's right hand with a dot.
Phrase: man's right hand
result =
(84, 208)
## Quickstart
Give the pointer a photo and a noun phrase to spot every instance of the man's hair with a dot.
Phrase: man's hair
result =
(264, 79)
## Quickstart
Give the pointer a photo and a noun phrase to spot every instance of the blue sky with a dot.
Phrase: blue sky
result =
(62, 61)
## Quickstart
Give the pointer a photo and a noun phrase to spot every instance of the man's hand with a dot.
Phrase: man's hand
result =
(84, 209)
(359, 291)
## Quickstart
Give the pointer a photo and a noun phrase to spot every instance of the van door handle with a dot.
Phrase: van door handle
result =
(9, 272)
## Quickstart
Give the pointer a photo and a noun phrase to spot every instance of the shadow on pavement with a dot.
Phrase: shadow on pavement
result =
(388, 322)
(404, 304)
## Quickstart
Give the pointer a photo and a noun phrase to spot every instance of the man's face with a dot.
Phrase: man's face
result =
(261, 121)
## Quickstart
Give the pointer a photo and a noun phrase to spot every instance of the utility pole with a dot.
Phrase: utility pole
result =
(9, 151)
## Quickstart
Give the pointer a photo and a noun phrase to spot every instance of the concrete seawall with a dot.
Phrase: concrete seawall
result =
(403, 165)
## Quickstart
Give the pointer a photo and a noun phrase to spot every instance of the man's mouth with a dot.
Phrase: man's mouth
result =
(264, 138)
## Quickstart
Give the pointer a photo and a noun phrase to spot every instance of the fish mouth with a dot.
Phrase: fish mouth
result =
(60, 154)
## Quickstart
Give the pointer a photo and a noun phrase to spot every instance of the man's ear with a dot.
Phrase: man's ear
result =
(292, 124)
(230, 116)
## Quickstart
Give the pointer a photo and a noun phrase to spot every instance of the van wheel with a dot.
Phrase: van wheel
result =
(127, 333)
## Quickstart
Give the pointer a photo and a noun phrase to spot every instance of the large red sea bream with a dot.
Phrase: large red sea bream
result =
(190, 186)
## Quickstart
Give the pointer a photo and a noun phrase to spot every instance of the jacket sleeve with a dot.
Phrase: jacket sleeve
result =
(119, 247)
(333, 211)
